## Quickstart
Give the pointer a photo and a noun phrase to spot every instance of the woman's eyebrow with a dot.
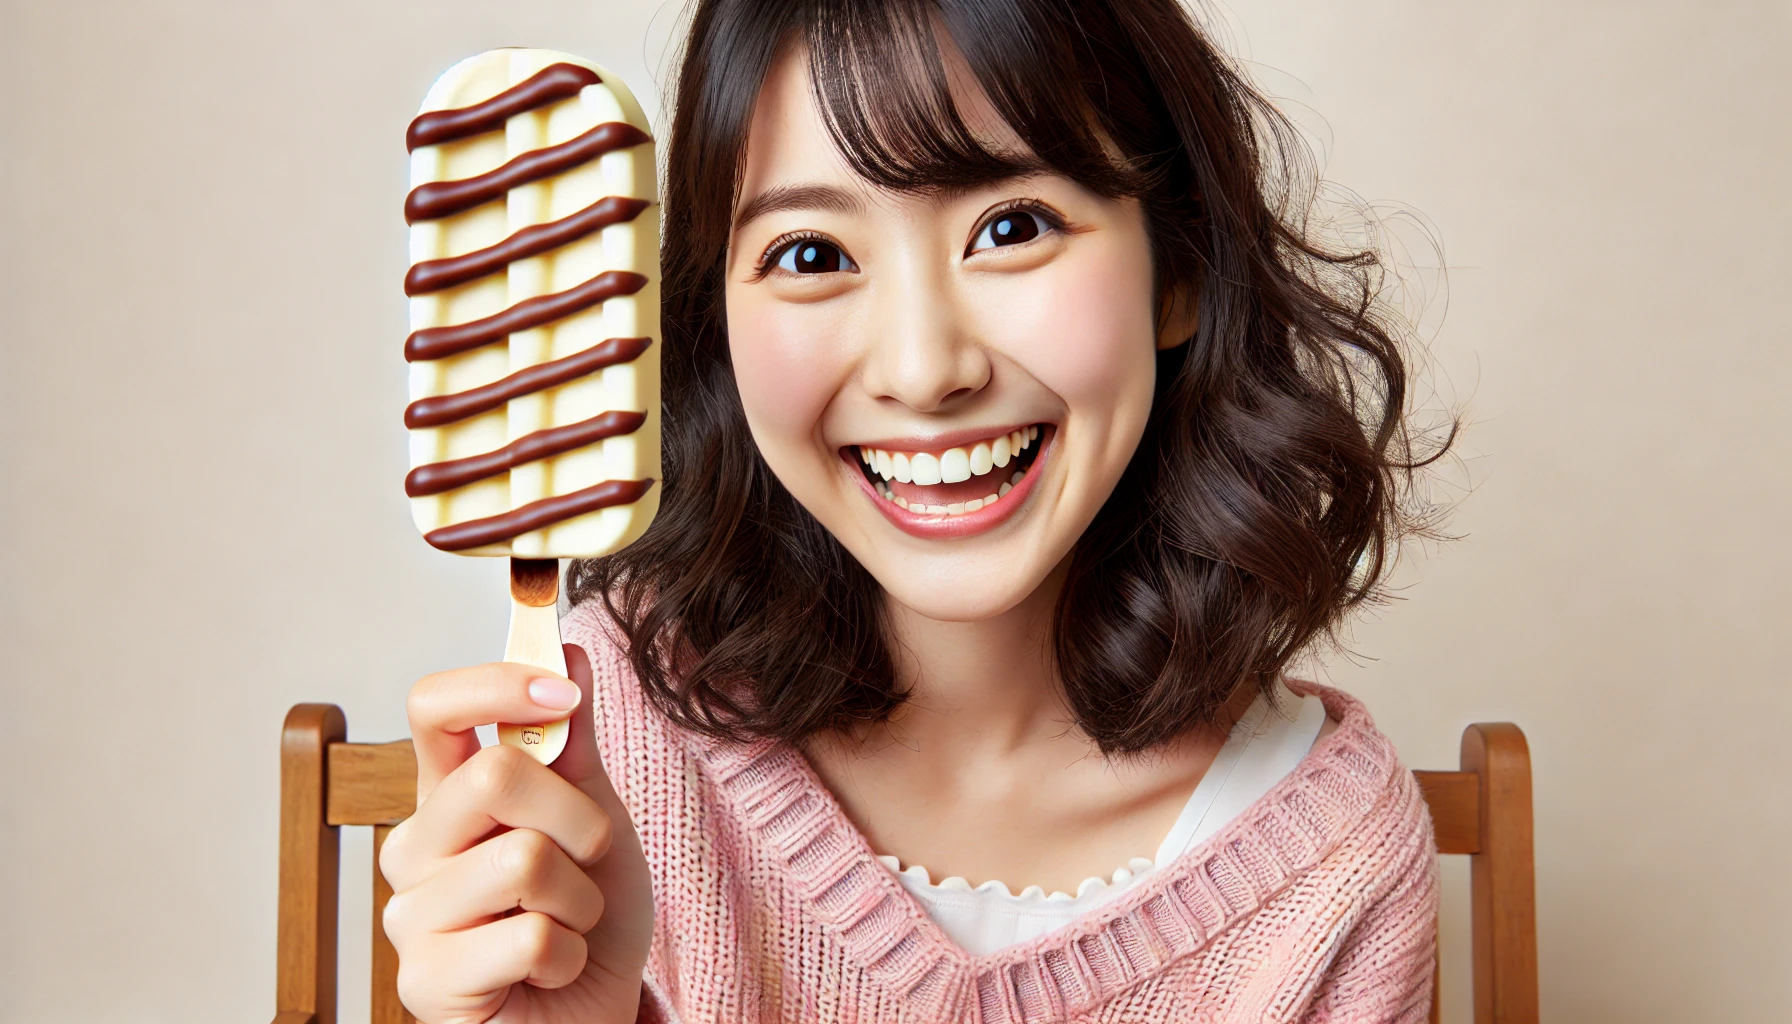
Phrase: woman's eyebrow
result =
(799, 197)
(1025, 169)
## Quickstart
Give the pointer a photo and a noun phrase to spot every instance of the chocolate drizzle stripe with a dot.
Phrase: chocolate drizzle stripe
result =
(442, 342)
(552, 83)
(436, 199)
(434, 275)
(478, 533)
(437, 477)
(443, 409)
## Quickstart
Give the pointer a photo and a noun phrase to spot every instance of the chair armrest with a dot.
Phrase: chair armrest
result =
(294, 1017)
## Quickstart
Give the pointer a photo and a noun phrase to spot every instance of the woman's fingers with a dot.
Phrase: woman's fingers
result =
(454, 971)
(497, 786)
(506, 868)
(520, 869)
(445, 707)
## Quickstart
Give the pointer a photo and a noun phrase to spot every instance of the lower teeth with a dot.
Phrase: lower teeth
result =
(956, 508)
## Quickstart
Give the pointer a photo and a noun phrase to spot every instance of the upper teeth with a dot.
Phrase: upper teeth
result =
(952, 465)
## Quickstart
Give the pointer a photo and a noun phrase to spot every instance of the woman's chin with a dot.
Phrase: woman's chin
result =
(959, 596)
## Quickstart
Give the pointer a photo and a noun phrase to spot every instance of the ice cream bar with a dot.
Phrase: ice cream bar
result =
(534, 309)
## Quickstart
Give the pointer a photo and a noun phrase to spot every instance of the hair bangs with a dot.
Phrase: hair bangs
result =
(879, 77)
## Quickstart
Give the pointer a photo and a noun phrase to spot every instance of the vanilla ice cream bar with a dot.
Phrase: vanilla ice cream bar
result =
(534, 308)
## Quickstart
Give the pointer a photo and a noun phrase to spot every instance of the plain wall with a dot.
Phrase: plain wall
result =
(201, 521)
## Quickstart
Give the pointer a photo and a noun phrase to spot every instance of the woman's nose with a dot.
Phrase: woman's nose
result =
(922, 352)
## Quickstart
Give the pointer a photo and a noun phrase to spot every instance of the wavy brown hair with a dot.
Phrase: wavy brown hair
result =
(1266, 495)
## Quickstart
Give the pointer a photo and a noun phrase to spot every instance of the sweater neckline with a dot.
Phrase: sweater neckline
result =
(1254, 744)
(1177, 911)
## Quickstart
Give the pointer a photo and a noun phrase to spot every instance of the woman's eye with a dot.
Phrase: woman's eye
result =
(814, 256)
(1011, 228)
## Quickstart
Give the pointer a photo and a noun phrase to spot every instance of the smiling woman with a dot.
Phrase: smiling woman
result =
(916, 229)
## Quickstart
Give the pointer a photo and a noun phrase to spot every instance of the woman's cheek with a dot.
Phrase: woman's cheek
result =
(781, 367)
(1087, 336)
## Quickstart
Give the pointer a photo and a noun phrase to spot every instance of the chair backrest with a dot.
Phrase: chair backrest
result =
(326, 783)
(1482, 810)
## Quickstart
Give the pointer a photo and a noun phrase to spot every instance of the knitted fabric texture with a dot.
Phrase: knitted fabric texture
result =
(1318, 904)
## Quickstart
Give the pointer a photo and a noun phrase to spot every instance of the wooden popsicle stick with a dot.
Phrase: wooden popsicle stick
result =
(535, 640)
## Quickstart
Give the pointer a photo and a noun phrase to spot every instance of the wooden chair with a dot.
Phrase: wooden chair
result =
(1482, 810)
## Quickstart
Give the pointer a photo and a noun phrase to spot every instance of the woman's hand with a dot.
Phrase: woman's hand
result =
(520, 893)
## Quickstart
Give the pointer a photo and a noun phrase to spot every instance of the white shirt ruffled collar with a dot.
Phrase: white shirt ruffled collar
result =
(1263, 747)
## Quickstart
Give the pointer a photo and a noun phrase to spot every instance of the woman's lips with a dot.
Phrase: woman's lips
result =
(1010, 494)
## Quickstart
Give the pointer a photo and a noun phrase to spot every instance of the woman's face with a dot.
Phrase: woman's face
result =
(991, 352)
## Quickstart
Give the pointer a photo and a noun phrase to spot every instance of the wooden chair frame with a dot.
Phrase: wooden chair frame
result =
(1482, 810)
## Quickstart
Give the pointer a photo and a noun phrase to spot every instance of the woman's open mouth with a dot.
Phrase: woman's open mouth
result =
(956, 491)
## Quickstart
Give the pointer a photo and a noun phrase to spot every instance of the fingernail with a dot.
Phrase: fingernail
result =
(557, 694)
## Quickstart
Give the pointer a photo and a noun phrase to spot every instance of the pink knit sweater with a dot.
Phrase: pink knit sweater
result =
(1318, 904)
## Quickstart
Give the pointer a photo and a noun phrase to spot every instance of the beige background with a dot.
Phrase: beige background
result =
(202, 521)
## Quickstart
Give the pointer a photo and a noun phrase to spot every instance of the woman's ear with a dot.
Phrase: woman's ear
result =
(1178, 316)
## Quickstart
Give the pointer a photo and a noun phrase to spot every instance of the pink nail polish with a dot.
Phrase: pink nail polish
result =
(557, 694)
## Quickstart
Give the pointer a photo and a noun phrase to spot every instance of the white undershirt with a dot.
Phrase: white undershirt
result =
(1263, 747)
